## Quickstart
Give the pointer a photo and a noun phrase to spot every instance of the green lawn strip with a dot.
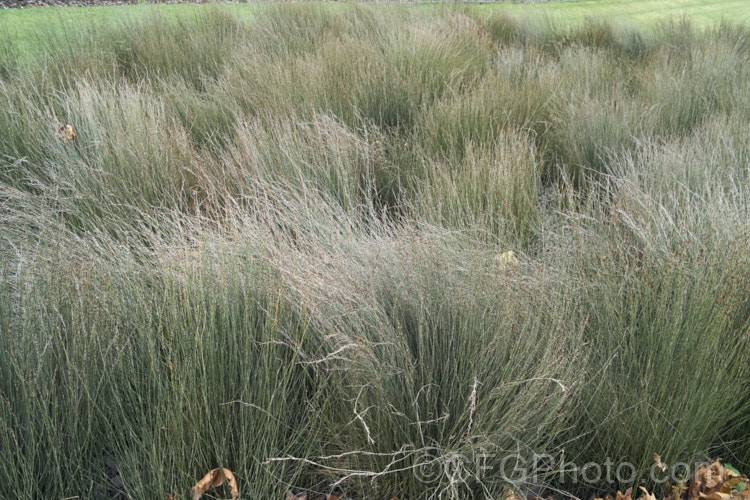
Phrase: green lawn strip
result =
(638, 12)
(26, 26)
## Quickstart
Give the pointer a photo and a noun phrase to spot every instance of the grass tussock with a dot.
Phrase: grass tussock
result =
(282, 247)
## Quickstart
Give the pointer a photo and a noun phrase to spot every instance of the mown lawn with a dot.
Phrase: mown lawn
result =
(638, 12)
(372, 252)
(25, 25)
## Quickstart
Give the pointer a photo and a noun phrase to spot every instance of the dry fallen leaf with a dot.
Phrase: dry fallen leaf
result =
(714, 479)
(646, 495)
(173, 496)
(660, 466)
(291, 496)
(711, 482)
(67, 133)
(674, 492)
(732, 483)
(626, 495)
(213, 479)
(715, 496)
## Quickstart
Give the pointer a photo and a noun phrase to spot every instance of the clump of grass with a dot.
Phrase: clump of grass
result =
(426, 364)
(669, 278)
(122, 409)
(492, 187)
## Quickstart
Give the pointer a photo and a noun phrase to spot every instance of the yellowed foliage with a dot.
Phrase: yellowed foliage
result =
(507, 258)
(67, 133)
